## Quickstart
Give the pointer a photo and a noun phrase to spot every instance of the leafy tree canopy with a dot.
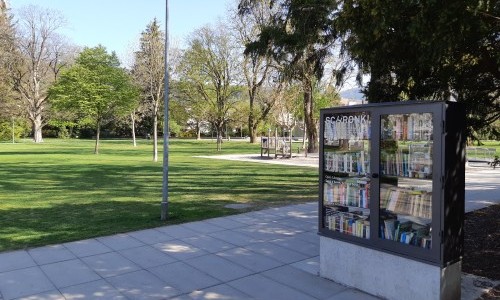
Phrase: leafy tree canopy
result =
(96, 88)
(433, 49)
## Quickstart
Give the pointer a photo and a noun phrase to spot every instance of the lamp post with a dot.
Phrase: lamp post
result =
(164, 201)
(13, 128)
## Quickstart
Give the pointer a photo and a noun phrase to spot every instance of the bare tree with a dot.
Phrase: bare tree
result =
(40, 61)
(149, 73)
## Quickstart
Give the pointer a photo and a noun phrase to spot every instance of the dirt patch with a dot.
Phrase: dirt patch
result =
(482, 242)
(482, 246)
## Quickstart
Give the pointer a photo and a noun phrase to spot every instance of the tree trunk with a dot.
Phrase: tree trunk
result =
(198, 131)
(219, 137)
(312, 133)
(252, 126)
(132, 117)
(37, 128)
(304, 137)
(155, 138)
(98, 133)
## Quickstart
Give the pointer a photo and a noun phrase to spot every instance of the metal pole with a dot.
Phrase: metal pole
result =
(13, 134)
(164, 201)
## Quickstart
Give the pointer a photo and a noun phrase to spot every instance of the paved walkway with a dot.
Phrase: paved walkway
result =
(269, 254)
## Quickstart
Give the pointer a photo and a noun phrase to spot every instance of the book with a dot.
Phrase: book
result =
(389, 228)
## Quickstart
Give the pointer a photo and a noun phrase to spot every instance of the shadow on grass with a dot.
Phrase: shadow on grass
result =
(30, 227)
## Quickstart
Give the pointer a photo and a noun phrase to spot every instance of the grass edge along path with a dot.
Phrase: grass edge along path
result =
(59, 191)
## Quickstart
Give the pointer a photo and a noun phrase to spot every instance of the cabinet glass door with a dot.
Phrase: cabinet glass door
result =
(346, 165)
(405, 207)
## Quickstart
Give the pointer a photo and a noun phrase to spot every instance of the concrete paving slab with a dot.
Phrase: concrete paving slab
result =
(203, 227)
(120, 242)
(245, 219)
(142, 285)
(249, 259)
(351, 294)
(219, 292)
(263, 217)
(150, 236)
(51, 254)
(50, 295)
(183, 277)
(299, 224)
(218, 267)
(226, 223)
(299, 245)
(178, 231)
(110, 264)
(96, 290)
(208, 243)
(260, 287)
(87, 247)
(310, 237)
(15, 260)
(268, 232)
(179, 249)
(310, 265)
(276, 252)
(305, 282)
(70, 272)
(24, 282)
(233, 237)
(147, 256)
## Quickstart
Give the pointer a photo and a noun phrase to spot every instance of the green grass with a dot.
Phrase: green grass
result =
(60, 191)
(492, 144)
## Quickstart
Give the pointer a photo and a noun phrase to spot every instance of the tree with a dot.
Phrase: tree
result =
(149, 74)
(299, 38)
(188, 106)
(8, 59)
(210, 69)
(39, 58)
(96, 88)
(419, 50)
(256, 68)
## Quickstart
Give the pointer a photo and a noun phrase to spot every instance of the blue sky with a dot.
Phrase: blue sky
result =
(117, 24)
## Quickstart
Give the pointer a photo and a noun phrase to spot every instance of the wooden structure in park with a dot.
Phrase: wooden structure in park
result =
(276, 145)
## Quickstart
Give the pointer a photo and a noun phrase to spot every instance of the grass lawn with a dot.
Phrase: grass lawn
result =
(60, 191)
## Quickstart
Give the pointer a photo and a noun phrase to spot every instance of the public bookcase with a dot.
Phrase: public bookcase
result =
(392, 198)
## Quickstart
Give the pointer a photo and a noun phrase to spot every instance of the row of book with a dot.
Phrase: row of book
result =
(407, 127)
(406, 201)
(349, 192)
(346, 127)
(350, 162)
(414, 165)
(348, 223)
(408, 232)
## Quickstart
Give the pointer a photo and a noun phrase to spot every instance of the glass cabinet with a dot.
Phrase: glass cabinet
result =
(392, 178)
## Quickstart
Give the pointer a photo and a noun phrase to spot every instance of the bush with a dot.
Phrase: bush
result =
(20, 129)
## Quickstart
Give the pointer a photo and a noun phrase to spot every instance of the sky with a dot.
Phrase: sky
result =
(117, 24)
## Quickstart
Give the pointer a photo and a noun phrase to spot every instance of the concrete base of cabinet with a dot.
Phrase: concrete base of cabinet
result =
(386, 275)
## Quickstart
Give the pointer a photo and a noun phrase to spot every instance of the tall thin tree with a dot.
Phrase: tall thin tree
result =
(149, 73)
